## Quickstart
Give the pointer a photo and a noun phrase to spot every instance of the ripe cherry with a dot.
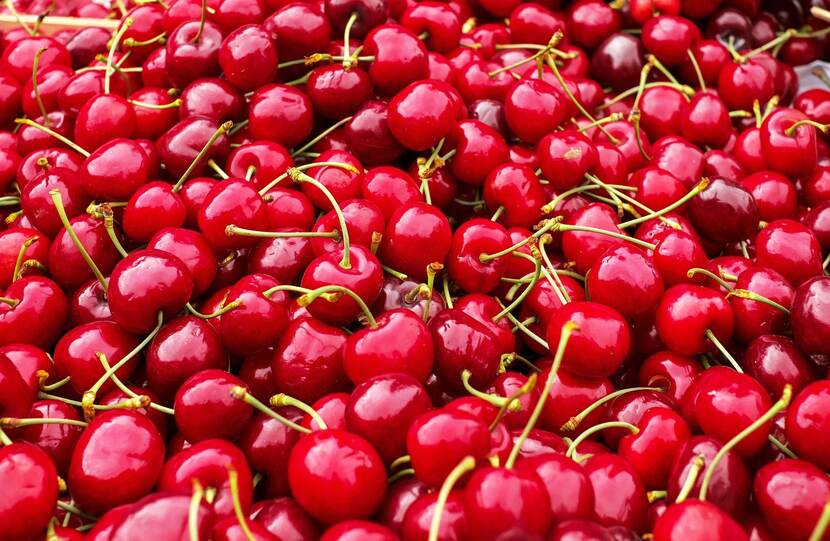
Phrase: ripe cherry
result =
(204, 407)
(30, 501)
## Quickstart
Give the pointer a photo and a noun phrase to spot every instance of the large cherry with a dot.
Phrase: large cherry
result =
(791, 495)
(32, 482)
(205, 408)
(809, 318)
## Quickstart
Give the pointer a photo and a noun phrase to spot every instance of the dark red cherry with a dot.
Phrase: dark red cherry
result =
(369, 137)
(418, 519)
(775, 361)
(192, 52)
(463, 343)
(179, 147)
(706, 120)
(479, 150)
(126, 472)
(212, 98)
(299, 29)
(807, 422)
(617, 61)
(809, 316)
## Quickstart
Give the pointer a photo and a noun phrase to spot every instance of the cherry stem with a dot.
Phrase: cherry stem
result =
(193, 511)
(550, 272)
(233, 479)
(4, 439)
(43, 375)
(493, 400)
(597, 428)
(780, 446)
(9, 4)
(806, 122)
(640, 88)
(161, 39)
(128, 403)
(400, 475)
(432, 270)
(346, 166)
(576, 102)
(400, 461)
(826, 263)
(285, 287)
(537, 273)
(693, 59)
(711, 275)
(634, 117)
(574, 421)
(283, 400)
(546, 49)
(512, 403)
(52, 133)
(89, 395)
(333, 293)
(522, 327)
(218, 170)
(446, 291)
(232, 230)
(240, 393)
(551, 206)
(35, 64)
(509, 358)
(202, 20)
(157, 106)
(392, 272)
(699, 187)
(821, 526)
(347, 62)
(697, 464)
(57, 200)
(224, 309)
(684, 89)
(298, 176)
(10, 301)
(783, 402)
(202, 153)
(751, 295)
(651, 59)
(821, 76)
(782, 38)
(322, 135)
(613, 117)
(466, 464)
(109, 225)
(567, 329)
(717, 343)
(69, 508)
(587, 229)
(19, 422)
(655, 495)
(21, 254)
(116, 39)
(548, 225)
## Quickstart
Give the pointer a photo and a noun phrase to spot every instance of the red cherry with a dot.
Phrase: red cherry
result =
(192, 249)
(32, 481)
(809, 316)
(789, 248)
(192, 52)
(416, 235)
(789, 148)
(232, 202)
(775, 361)
(400, 57)
(463, 343)
(610, 474)
(626, 280)
(115, 170)
(39, 313)
(652, 451)
(422, 114)
(687, 312)
(684, 520)
(791, 495)
(258, 321)
(281, 114)
(478, 150)
(206, 409)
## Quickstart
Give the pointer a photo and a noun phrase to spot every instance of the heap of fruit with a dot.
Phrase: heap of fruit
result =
(476, 270)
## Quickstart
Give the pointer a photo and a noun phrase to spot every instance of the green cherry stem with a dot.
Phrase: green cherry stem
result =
(116, 39)
(720, 347)
(711, 275)
(201, 155)
(333, 293)
(57, 200)
(698, 463)
(597, 428)
(548, 225)
(699, 187)
(751, 295)
(466, 464)
(574, 421)
(71, 144)
(240, 393)
(283, 400)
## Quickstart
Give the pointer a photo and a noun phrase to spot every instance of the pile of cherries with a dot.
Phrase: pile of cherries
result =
(474, 270)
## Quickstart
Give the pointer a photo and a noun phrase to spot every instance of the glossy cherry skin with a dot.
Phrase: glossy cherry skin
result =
(284, 518)
(599, 345)
(32, 482)
(489, 515)
(569, 395)
(651, 452)
(479, 150)
(416, 522)
(163, 515)
(232, 202)
(208, 462)
(565, 157)
(809, 316)
(517, 189)
(281, 114)
(11, 241)
(248, 57)
(776, 361)
(308, 360)
(268, 160)
(789, 248)
(17, 396)
(807, 422)
(696, 520)
(399, 498)
(774, 194)
(791, 494)
(416, 235)
(400, 57)
(422, 113)
(27, 361)
(618, 60)
(625, 279)
(792, 155)
(382, 408)
(259, 321)
(724, 212)
(180, 145)
(18, 57)
(368, 135)
(569, 491)
(103, 118)
(585, 248)
(673, 372)
(188, 59)
(205, 408)
(752, 318)
(145, 283)
(373, 351)
(127, 470)
(151, 208)
(684, 314)
(730, 484)
(533, 108)
(115, 170)
(463, 343)
(471, 240)
(212, 98)
(192, 249)
(679, 157)
(38, 318)
(336, 476)
(620, 494)
(267, 443)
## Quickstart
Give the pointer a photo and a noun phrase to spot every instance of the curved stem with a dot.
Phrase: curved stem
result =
(512, 403)
(233, 479)
(57, 200)
(620, 236)
(285, 287)
(751, 295)
(432, 270)
(338, 291)
(322, 135)
(38, 101)
(518, 300)
(691, 478)
(4, 439)
(597, 428)
(282, 400)
(806, 122)
(43, 375)
(157, 106)
(567, 329)
(240, 393)
(218, 170)
(193, 511)
(783, 402)
(223, 310)
(109, 225)
(699, 187)
(550, 272)
(446, 290)
(306, 167)
(232, 230)
(711, 275)
(530, 334)
(21, 253)
(493, 400)
(574, 421)
(116, 39)
(400, 461)
(400, 475)
(467, 463)
(717, 343)
(549, 224)
(346, 46)
(202, 19)
(298, 176)
(201, 155)
(54, 134)
(696, 66)
(19, 422)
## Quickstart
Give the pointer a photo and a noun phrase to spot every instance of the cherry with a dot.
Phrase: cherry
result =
(589, 23)
(27, 360)
(625, 279)
(161, 513)
(533, 108)
(389, 188)
(569, 395)
(315, 474)
(706, 120)
(416, 235)
(281, 114)
(127, 470)
(400, 57)
(258, 320)
(180, 146)
(205, 408)
(565, 157)
(463, 343)
(38, 315)
(17, 396)
(308, 359)
(369, 137)
(115, 170)
(585, 247)
(569, 491)
(775, 361)
(806, 422)
(50, 82)
(478, 150)
(617, 61)
(299, 29)
(753, 317)
(182, 348)
(809, 316)
(421, 114)
(687, 315)
(208, 462)
(469, 262)
(680, 158)
(788, 147)
(102, 119)
(212, 98)
(610, 474)
(32, 481)
(336, 92)
(192, 249)
(18, 56)
(151, 208)
(774, 194)
(418, 519)
(12, 241)
(789, 489)
(232, 202)
(192, 52)
(439, 20)
(683, 521)
(267, 442)
(652, 450)
(10, 94)
(791, 249)
(739, 84)
(283, 517)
